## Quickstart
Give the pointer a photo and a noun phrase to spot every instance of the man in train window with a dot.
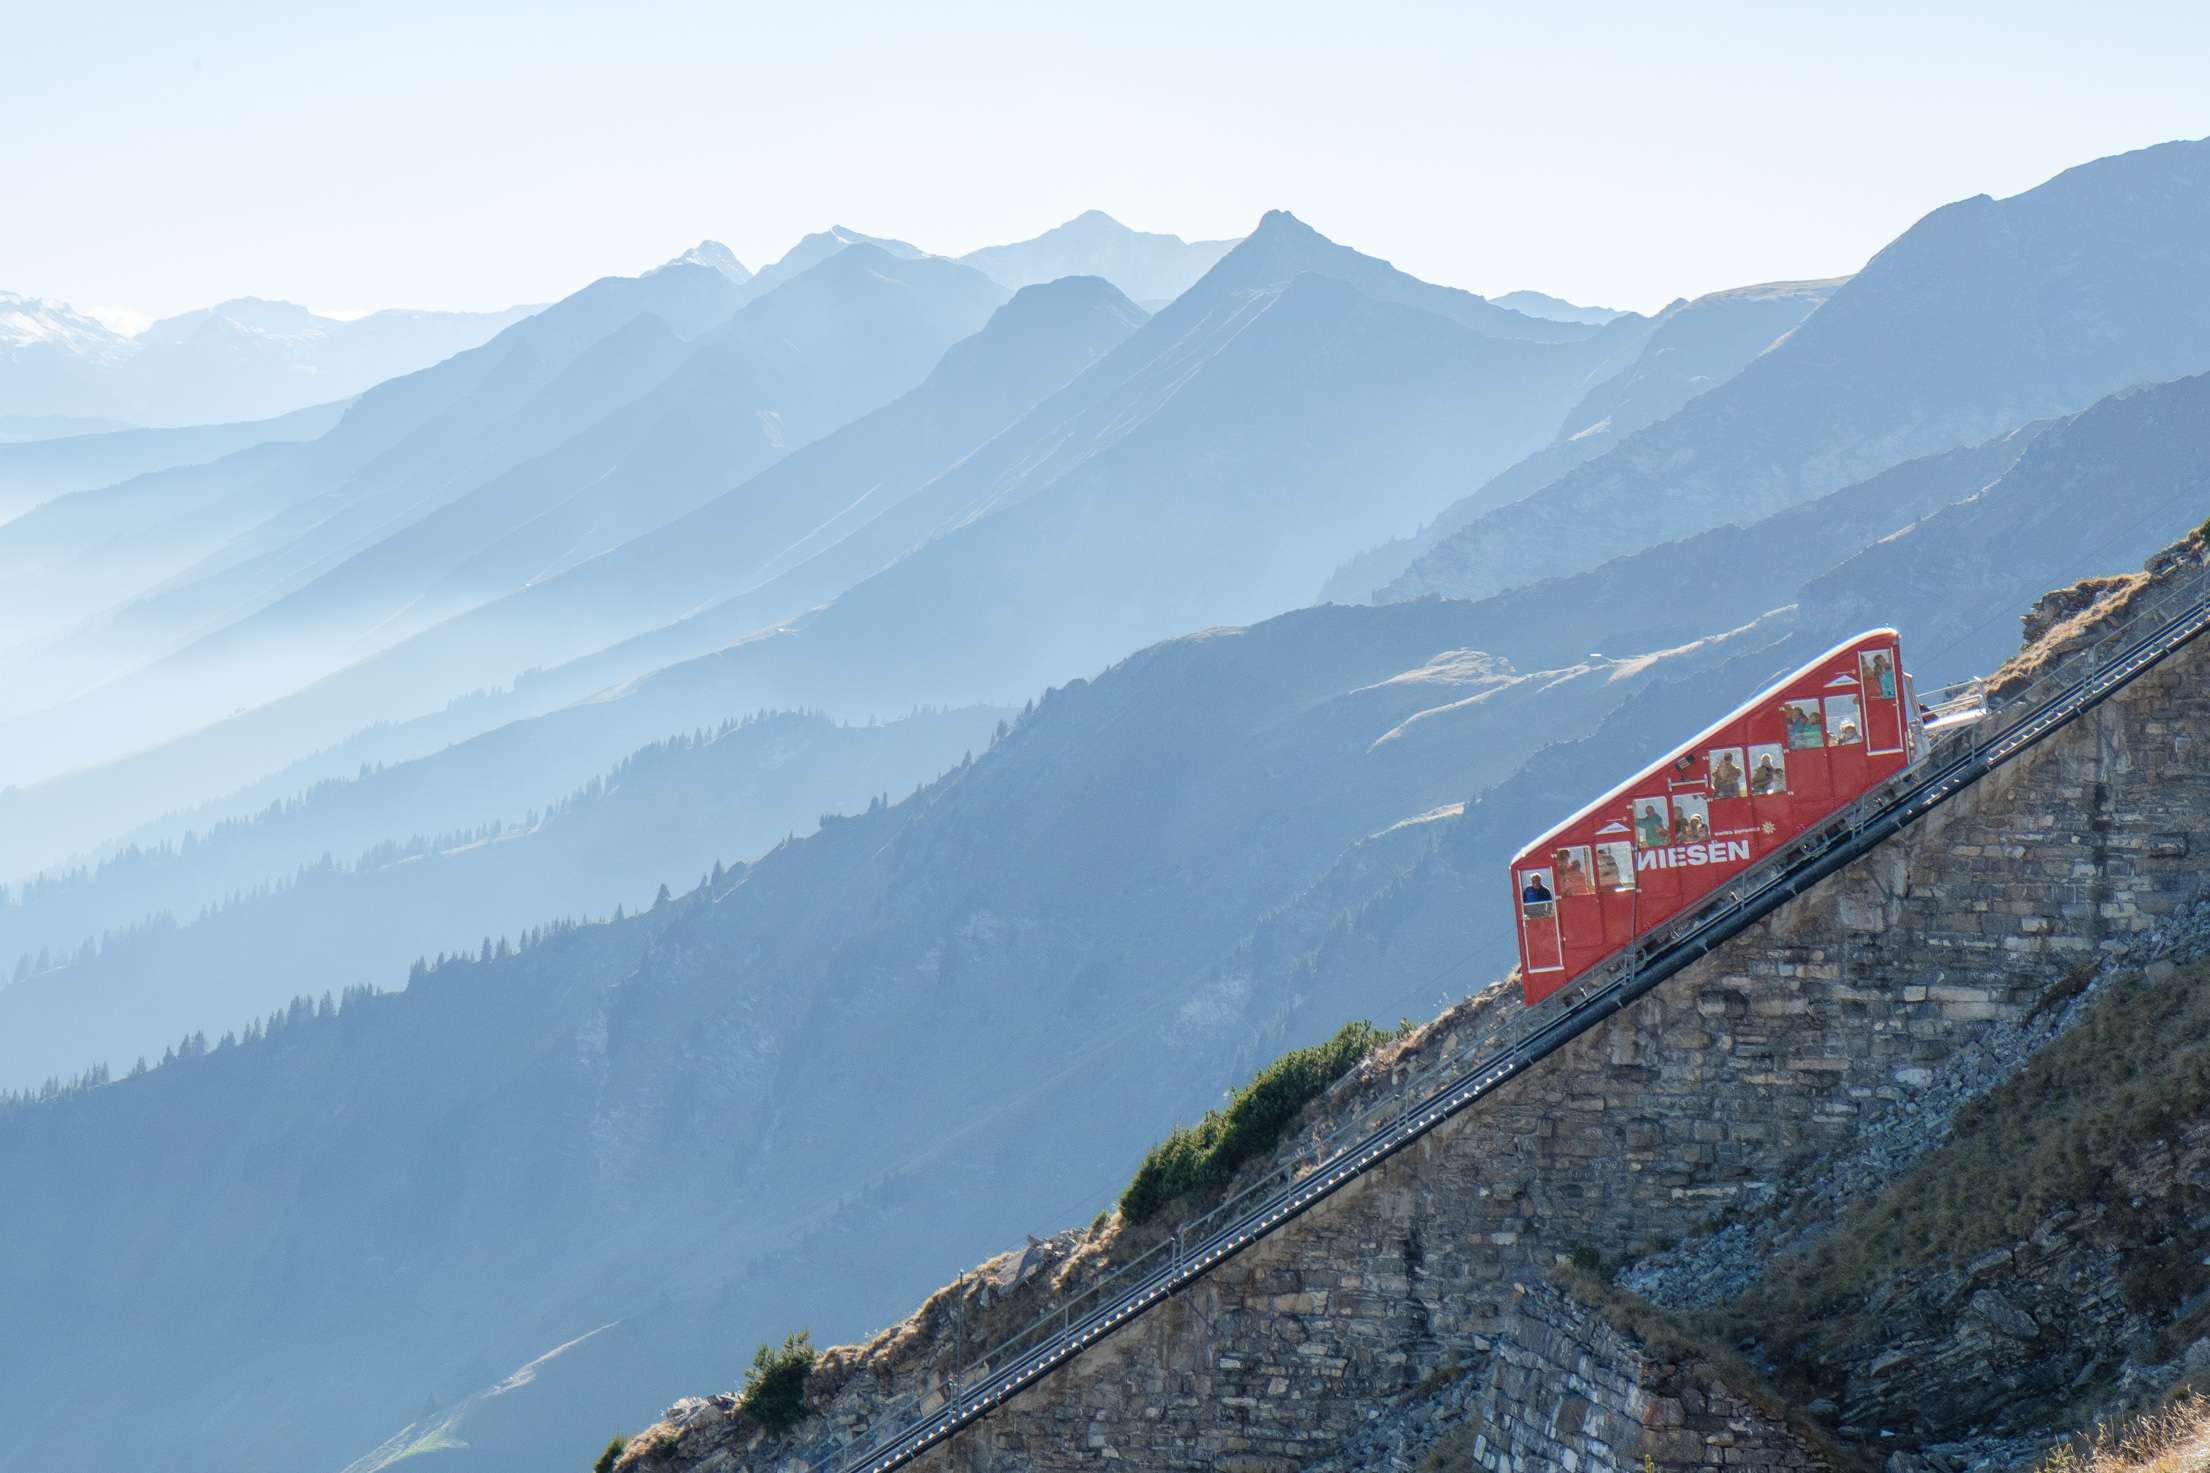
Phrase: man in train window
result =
(1651, 831)
(1726, 773)
(1572, 871)
(1690, 825)
(1768, 776)
(1534, 896)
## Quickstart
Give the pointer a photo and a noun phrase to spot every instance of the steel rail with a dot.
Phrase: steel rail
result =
(1756, 893)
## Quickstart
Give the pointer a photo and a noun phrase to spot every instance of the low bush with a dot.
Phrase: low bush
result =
(775, 1383)
(611, 1456)
(1205, 1157)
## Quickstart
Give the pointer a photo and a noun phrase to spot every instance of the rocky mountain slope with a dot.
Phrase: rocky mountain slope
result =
(1844, 1192)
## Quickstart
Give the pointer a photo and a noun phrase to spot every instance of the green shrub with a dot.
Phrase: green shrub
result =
(775, 1384)
(613, 1453)
(1206, 1156)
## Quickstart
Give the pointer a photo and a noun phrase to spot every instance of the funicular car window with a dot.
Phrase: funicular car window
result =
(1845, 726)
(1615, 865)
(1802, 718)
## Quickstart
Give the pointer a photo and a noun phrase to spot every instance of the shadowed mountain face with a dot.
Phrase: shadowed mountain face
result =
(1146, 267)
(1694, 347)
(1985, 315)
(441, 854)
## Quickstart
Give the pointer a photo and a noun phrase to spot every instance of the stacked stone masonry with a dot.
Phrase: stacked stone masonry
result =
(1566, 1391)
(1713, 1092)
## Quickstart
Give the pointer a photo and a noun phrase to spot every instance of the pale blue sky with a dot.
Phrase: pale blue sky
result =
(406, 153)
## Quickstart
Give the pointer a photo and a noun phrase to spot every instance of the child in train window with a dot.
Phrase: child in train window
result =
(1615, 866)
(1573, 870)
(1691, 818)
(1802, 718)
(1727, 778)
(1651, 831)
(1535, 896)
(1768, 770)
(1878, 669)
(1842, 721)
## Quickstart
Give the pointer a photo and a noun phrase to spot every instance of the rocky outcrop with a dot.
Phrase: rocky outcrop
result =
(1727, 1092)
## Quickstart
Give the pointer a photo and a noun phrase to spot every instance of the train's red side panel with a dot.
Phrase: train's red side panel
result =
(1661, 841)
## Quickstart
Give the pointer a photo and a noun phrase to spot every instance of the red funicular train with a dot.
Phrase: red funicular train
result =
(1661, 841)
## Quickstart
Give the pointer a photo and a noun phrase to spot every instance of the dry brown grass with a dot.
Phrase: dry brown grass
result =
(2172, 1439)
(2133, 1072)
(2096, 602)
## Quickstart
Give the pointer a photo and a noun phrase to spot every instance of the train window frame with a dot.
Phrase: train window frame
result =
(1852, 721)
(1621, 854)
(1869, 673)
(1564, 855)
(1803, 735)
(1688, 809)
(1646, 807)
(1778, 752)
(1533, 908)
(1741, 773)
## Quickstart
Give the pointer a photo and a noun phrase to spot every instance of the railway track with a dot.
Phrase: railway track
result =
(2153, 631)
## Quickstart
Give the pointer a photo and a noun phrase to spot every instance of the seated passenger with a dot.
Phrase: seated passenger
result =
(1572, 879)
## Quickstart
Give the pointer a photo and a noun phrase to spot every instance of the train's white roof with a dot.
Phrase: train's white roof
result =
(1618, 791)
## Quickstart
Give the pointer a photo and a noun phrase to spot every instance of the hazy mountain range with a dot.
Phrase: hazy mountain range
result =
(942, 634)
(243, 359)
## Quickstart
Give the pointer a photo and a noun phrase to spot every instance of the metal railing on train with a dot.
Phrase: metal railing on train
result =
(2171, 616)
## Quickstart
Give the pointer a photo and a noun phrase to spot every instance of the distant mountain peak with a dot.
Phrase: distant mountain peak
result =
(1145, 265)
(715, 256)
(1555, 309)
(819, 246)
(27, 320)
